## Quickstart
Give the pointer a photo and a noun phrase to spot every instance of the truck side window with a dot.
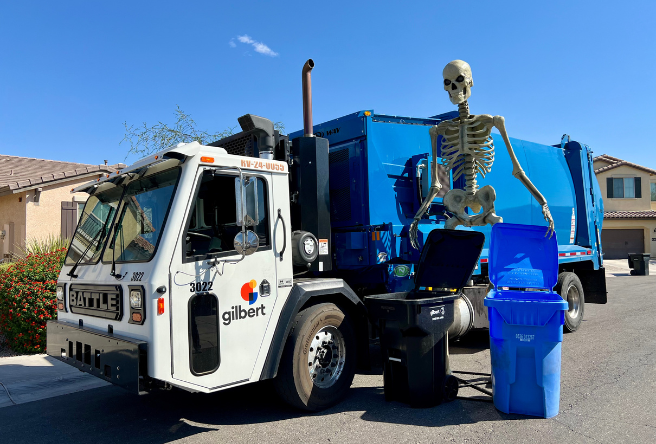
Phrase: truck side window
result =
(213, 216)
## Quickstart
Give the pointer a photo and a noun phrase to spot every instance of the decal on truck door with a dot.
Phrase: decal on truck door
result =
(248, 292)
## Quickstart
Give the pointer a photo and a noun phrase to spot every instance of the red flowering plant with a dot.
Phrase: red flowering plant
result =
(28, 299)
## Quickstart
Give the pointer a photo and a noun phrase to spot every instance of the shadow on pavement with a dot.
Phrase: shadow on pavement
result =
(110, 415)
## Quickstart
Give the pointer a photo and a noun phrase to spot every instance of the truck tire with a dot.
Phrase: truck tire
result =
(318, 363)
(569, 288)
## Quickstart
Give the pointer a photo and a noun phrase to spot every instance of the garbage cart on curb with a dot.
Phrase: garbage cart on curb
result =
(640, 264)
(526, 320)
(413, 325)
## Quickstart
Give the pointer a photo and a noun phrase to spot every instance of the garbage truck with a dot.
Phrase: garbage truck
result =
(207, 267)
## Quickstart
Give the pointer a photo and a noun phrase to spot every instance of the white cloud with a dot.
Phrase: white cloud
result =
(232, 43)
(258, 46)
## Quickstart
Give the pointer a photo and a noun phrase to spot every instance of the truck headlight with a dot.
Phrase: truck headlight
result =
(60, 293)
(135, 299)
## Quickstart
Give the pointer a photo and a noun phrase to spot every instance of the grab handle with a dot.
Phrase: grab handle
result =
(284, 233)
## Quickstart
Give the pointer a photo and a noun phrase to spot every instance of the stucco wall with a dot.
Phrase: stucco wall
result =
(649, 227)
(44, 218)
(12, 221)
(626, 204)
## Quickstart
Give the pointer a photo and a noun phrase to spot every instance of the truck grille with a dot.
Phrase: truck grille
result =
(100, 301)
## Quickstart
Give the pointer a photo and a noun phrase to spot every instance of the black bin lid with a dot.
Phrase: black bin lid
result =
(448, 258)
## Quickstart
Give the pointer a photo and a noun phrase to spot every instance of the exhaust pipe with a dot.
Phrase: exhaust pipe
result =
(307, 99)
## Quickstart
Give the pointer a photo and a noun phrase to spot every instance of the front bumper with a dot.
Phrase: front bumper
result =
(116, 359)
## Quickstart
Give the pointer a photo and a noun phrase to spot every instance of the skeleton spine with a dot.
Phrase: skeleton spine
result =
(470, 168)
(463, 109)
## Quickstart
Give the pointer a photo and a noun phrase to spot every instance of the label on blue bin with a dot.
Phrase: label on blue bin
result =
(437, 313)
(524, 338)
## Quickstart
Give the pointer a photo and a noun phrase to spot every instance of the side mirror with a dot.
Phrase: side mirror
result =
(247, 202)
(246, 244)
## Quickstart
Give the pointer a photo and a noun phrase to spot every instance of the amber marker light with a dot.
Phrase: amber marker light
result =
(136, 317)
(207, 159)
(367, 113)
(160, 306)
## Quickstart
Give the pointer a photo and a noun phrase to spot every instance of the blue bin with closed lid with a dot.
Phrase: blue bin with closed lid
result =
(526, 320)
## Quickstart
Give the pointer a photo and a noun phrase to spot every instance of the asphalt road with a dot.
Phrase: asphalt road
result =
(608, 395)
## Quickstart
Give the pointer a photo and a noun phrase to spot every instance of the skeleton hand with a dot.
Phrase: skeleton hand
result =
(413, 234)
(547, 216)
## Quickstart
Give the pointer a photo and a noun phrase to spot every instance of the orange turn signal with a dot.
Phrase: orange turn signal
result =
(160, 306)
(136, 317)
(207, 159)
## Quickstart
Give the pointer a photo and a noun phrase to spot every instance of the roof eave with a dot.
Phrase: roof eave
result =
(7, 189)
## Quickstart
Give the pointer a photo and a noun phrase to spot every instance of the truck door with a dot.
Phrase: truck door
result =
(221, 301)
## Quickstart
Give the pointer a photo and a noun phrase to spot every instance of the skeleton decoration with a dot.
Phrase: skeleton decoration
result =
(467, 149)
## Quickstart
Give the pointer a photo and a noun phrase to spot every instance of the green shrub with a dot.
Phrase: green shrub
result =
(28, 300)
(4, 266)
(44, 245)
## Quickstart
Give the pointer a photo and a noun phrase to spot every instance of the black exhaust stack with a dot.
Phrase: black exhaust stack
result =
(310, 188)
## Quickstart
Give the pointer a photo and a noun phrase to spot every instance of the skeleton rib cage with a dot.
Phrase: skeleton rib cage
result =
(467, 148)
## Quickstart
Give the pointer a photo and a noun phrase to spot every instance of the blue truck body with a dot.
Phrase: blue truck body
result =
(379, 172)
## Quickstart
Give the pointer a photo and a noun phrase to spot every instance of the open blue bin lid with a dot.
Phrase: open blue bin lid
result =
(522, 257)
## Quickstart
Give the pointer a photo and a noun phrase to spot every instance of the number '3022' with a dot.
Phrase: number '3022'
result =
(200, 286)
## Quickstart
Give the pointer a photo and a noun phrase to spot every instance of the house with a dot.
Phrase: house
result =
(36, 199)
(629, 193)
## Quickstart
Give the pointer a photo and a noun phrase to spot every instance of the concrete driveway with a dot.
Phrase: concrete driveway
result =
(608, 394)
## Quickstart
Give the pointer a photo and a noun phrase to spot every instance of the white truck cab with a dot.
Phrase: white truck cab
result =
(181, 273)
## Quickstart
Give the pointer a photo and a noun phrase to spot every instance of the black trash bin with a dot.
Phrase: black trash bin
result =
(413, 325)
(640, 264)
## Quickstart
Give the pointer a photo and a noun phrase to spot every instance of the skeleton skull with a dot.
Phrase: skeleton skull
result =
(458, 81)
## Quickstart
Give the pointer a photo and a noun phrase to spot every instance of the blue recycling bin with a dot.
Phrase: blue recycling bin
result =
(526, 320)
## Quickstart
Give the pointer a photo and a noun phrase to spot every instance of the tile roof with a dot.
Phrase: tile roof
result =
(21, 172)
(607, 158)
(648, 214)
(615, 162)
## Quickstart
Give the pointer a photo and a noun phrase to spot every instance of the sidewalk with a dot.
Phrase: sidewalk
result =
(620, 267)
(33, 377)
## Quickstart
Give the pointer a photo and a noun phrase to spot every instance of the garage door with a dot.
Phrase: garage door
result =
(617, 244)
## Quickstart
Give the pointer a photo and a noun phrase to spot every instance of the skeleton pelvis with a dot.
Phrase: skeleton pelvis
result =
(457, 200)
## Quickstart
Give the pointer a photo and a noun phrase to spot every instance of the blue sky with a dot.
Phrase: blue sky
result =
(72, 72)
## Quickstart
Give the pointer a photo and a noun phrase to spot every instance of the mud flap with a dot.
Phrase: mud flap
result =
(594, 285)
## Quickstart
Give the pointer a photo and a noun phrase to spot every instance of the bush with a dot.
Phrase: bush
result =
(43, 245)
(28, 300)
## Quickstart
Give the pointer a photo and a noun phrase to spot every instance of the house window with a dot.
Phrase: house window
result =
(624, 188)
(653, 191)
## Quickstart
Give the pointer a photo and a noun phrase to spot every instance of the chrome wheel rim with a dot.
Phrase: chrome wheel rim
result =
(574, 301)
(326, 356)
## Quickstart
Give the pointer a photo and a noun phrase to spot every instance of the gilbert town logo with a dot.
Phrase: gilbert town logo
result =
(248, 292)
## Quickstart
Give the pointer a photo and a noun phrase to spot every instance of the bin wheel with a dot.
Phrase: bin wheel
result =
(450, 388)
(569, 288)
(318, 363)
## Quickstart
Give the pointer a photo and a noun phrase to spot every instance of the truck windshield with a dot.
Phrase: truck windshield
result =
(93, 227)
(145, 205)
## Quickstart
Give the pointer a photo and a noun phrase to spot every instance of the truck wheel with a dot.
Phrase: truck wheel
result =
(569, 288)
(318, 363)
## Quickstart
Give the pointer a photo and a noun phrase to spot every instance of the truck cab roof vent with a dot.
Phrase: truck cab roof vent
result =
(240, 144)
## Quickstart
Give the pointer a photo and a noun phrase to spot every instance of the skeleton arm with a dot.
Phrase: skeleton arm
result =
(435, 188)
(500, 123)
